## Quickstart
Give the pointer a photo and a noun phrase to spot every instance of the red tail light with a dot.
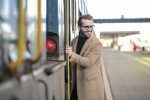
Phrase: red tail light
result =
(51, 45)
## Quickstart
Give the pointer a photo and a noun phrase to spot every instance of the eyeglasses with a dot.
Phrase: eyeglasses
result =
(87, 27)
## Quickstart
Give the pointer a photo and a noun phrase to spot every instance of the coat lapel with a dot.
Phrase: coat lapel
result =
(75, 44)
(86, 45)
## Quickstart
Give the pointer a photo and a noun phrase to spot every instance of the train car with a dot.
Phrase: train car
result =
(33, 35)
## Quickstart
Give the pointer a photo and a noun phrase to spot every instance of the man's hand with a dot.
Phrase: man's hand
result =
(68, 50)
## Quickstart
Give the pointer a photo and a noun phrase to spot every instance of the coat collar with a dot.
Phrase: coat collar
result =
(87, 44)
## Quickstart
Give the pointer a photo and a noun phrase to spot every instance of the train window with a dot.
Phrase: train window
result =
(9, 30)
(32, 23)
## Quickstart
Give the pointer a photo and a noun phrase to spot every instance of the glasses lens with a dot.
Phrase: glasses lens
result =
(87, 27)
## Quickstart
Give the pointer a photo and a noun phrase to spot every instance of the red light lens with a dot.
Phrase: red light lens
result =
(50, 45)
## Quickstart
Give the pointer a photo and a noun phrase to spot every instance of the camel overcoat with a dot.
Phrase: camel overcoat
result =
(88, 69)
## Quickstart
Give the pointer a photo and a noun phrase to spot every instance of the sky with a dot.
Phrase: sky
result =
(117, 8)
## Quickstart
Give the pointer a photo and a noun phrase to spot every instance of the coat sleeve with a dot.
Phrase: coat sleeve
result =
(92, 55)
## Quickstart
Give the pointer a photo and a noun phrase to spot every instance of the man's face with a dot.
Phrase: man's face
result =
(87, 27)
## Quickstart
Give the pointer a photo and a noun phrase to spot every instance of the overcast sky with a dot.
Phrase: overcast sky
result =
(116, 8)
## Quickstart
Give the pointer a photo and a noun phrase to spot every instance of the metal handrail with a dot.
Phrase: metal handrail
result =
(39, 36)
(21, 39)
(67, 43)
(54, 68)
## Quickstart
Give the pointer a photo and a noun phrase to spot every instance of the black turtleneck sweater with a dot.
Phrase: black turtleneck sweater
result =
(80, 43)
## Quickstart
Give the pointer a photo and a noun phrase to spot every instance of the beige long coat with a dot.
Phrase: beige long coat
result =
(88, 69)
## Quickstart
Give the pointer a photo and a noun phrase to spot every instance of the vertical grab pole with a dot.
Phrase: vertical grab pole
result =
(39, 35)
(68, 65)
(21, 38)
(67, 43)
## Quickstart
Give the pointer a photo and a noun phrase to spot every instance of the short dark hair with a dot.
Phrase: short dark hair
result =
(86, 16)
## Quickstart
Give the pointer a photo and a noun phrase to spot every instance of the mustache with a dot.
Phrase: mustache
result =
(88, 31)
(82, 33)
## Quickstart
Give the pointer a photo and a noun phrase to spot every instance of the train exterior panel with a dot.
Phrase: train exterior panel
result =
(33, 35)
(55, 30)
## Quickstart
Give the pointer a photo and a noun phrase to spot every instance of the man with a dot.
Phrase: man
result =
(85, 57)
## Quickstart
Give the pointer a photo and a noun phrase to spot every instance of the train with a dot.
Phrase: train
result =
(33, 35)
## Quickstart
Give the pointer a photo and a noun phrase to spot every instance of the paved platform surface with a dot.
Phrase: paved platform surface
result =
(128, 74)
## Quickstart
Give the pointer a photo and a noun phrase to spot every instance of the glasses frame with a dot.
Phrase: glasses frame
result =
(87, 26)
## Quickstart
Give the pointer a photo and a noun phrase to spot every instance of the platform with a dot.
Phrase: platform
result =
(128, 74)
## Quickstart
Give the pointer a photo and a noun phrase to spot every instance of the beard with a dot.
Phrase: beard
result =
(82, 33)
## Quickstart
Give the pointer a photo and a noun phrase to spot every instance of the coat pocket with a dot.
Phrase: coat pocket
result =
(91, 76)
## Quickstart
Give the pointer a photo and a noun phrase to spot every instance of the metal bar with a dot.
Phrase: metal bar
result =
(123, 20)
